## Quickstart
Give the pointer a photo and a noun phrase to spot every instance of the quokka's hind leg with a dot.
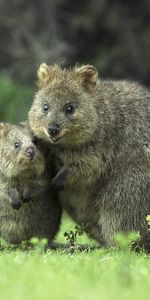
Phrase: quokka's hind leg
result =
(126, 203)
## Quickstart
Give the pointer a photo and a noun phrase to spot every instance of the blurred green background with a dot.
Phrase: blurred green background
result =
(111, 34)
(15, 99)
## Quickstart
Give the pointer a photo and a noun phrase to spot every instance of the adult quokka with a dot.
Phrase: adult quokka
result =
(99, 132)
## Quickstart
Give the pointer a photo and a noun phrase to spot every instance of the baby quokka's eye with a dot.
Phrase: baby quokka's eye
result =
(17, 145)
(69, 109)
(45, 107)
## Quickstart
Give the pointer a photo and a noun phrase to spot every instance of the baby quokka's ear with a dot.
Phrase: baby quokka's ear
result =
(87, 75)
(46, 74)
(4, 129)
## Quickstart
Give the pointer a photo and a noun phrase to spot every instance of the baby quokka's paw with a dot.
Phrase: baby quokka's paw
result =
(14, 198)
(17, 198)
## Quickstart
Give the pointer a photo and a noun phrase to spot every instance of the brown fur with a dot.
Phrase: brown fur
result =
(22, 177)
(102, 150)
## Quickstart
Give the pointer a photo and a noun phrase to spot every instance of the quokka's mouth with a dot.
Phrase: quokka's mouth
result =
(55, 140)
(29, 159)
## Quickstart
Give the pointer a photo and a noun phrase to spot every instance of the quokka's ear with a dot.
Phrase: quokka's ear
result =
(4, 129)
(88, 76)
(45, 74)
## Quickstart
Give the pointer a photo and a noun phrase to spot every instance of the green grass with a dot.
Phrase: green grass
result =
(57, 274)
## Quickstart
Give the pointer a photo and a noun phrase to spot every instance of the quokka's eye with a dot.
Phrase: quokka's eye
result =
(45, 108)
(17, 145)
(69, 109)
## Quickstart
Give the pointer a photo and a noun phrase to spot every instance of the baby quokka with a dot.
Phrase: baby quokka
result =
(99, 132)
(23, 178)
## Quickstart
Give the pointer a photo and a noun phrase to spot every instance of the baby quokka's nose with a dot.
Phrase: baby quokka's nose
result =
(30, 152)
(53, 130)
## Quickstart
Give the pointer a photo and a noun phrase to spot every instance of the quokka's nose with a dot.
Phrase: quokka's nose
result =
(30, 152)
(53, 130)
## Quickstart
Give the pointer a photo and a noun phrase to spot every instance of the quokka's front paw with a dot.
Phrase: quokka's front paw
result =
(28, 193)
(60, 179)
(14, 198)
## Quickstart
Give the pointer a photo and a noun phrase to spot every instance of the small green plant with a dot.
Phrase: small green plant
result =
(72, 236)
